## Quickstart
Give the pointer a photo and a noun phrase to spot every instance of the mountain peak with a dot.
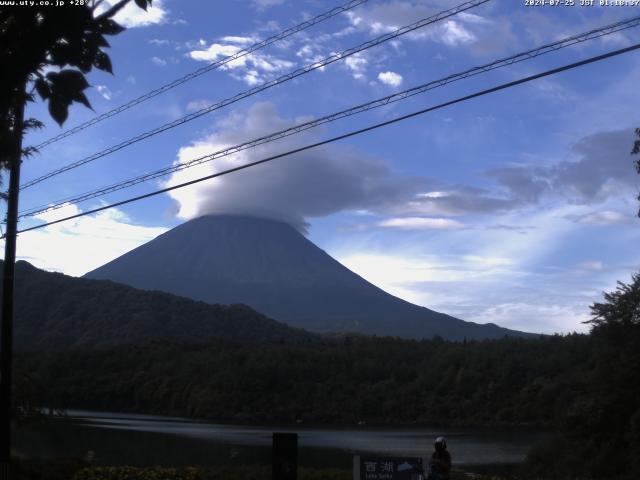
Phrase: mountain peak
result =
(270, 266)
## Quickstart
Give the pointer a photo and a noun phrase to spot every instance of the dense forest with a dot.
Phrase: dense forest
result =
(585, 387)
(510, 381)
(100, 345)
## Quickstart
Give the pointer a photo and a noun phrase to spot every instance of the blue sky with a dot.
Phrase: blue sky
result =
(516, 208)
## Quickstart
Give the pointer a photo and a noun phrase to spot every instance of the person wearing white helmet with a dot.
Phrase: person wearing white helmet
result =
(440, 463)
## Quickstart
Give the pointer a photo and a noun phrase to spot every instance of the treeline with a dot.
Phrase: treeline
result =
(376, 380)
(586, 387)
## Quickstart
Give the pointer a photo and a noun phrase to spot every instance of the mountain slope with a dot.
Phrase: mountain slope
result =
(273, 268)
(55, 311)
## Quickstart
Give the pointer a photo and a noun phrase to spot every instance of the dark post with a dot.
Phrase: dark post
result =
(6, 328)
(284, 460)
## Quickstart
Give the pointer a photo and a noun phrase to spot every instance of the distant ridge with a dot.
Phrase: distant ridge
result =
(271, 267)
(54, 311)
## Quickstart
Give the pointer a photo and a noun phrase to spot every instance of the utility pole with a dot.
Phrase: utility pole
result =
(6, 327)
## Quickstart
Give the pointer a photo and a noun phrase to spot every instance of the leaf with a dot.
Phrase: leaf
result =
(60, 55)
(66, 86)
(82, 98)
(100, 41)
(33, 124)
(71, 81)
(85, 63)
(142, 4)
(29, 151)
(59, 110)
(110, 27)
(103, 62)
(42, 87)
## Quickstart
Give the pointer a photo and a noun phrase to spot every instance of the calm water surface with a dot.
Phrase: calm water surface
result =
(120, 439)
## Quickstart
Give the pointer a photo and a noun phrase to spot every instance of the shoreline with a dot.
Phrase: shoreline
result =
(278, 423)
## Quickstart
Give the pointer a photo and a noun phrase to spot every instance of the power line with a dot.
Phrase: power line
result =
(264, 86)
(548, 48)
(212, 66)
(346, 135)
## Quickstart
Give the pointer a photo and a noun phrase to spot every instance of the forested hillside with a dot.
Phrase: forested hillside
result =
(234, 365)
(55, 311)
(585, 387)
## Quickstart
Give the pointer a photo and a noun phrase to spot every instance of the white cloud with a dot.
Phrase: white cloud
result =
(158, 61)
(455, 34)
(533, 281)
(482, 32)
(477, 288)
(357, 64)
(159, 41)
(434, 195)
(421, 223)
(390, 78)
(603, 218)
(600, 171)
(393, 273)
(314, 183)
(133, 16)
(77, 246)
(283, 190)
(411, 276)
(474, 18)
(252, 78)
(264, 4)
(553, 90)
(239, 40)
(593, 266)
(104, 91)
(195, 105)
(537, 317)
(488, 261)
(311, 53)
(217, 51)
(252, 68)
(305, 51)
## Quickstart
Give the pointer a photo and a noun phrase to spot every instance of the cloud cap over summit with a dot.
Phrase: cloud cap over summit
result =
(314, 183)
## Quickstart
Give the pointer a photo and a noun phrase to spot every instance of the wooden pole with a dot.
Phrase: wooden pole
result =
(6, 327)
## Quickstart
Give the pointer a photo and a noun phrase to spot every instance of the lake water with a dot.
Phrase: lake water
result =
(126, 439)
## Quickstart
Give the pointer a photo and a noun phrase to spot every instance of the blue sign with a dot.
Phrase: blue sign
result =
(389, 468)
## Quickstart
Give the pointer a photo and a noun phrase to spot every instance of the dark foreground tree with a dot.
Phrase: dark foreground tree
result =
(621, 307)
(636, 151)
(48, 50)
(600, 432)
